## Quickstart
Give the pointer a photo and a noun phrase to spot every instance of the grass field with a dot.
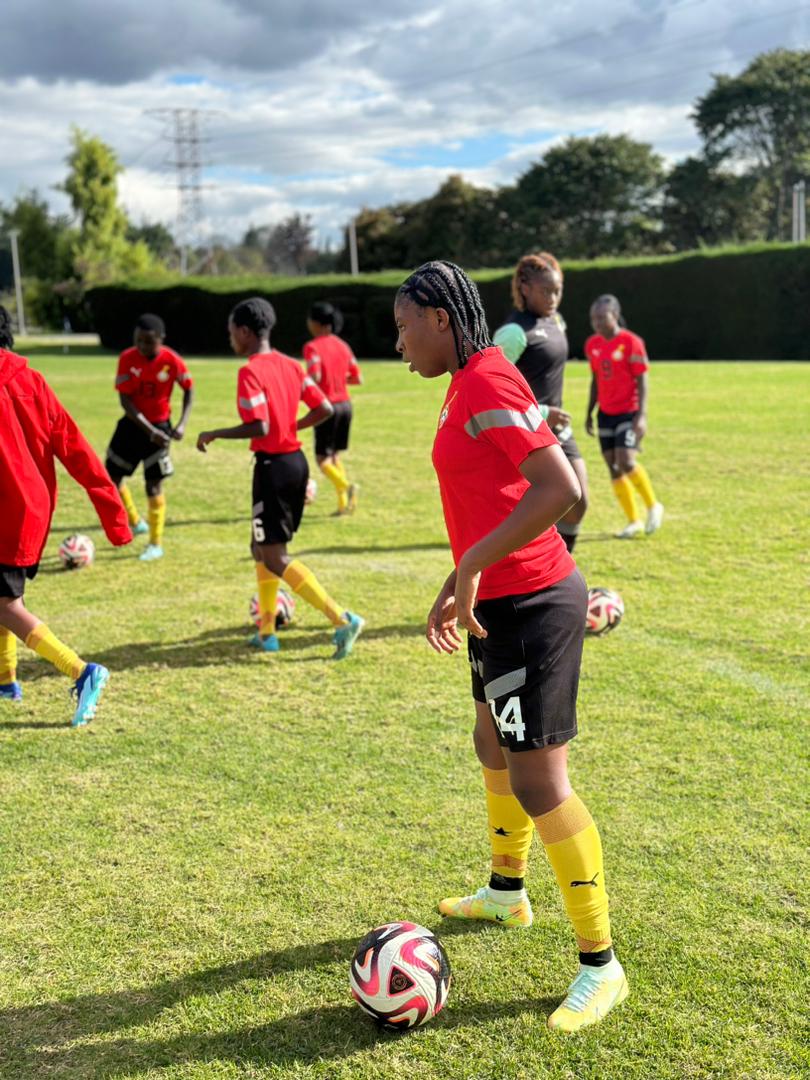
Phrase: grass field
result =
(183, 882)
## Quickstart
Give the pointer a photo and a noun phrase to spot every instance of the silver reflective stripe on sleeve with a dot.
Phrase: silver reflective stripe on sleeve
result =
(504, 418)
(252, 402)
(307, 382)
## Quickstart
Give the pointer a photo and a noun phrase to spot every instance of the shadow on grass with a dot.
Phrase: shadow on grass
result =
(34, 1038)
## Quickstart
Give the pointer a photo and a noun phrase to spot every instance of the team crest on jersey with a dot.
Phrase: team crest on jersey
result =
(619, 353)
(446, 410)
(164, 374)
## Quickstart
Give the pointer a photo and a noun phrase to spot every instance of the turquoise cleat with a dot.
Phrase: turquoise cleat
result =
(140, 529)
(346, 635)
(11, 691)
(88, 689)
(266, 644)
(152, 552)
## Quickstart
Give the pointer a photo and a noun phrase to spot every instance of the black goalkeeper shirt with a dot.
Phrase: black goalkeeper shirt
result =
(542, 364)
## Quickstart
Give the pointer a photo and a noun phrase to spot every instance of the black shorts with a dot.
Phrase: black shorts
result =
(130, 445)
(570, 448)
(616, 432)
(279, 491)
(333, 434)
(13, 579)
(527, 668)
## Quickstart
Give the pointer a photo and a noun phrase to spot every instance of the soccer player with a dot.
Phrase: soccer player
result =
(270, 388)
(619, 363)
(534, 338)
(332, 365)
(146, 377)
(504, 481)
(35, 430)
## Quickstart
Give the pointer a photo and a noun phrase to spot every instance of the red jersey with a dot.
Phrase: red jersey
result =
(270, 387)
(331, 364)
(36, 430)
(616, 362)
(489, 425)
(150, 382)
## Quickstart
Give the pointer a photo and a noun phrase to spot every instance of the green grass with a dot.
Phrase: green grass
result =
(183, 882)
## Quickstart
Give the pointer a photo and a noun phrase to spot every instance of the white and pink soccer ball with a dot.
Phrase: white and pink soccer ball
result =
(76, 551)
(400, 975)
(285, 609)
(605, 611)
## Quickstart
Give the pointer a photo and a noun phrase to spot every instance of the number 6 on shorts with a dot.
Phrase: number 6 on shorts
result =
(258, 530)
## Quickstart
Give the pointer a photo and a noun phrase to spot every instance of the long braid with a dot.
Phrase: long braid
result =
(443, 284)
(6, 335)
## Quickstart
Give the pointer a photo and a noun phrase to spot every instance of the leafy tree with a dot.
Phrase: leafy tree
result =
(157, 238)
(705, 206)
(44, 239)
(761, 117)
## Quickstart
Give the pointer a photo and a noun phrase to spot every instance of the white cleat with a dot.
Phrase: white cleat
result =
(655, 516)
(631, 530)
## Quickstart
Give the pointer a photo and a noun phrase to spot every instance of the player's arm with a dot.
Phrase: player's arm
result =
(251, 404)
(255, 429)
(188, 400)
(160, 438)
(640, 419)
(320, 407)
(593, 397)
(355, 376)
(553, 490)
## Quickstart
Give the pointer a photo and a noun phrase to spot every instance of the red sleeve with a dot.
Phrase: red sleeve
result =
(639, 362)
(505, 414)
(354, 377)
(311, 395)
(313, 360)
(125, 382)
(81, 461)
(182, 374)
(251, 398)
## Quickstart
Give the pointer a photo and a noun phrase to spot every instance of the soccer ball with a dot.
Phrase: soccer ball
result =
(76, 551)
(312, 491)
(605, 611)
(285, 609)
(400, 975)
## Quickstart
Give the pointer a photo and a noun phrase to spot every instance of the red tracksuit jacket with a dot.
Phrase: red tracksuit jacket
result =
(34, 429)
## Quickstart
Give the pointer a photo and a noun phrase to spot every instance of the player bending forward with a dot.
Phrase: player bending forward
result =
(34, 430)
(270, 388)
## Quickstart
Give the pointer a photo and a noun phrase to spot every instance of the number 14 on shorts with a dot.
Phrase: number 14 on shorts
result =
(510, 719)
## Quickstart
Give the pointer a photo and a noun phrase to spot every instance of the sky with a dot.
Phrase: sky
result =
(323, 107)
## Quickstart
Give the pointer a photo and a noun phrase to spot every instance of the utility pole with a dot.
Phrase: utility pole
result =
(15, 263)
(799, 213)
(353, 260)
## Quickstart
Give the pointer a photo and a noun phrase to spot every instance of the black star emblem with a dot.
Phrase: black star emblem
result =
(500, 831)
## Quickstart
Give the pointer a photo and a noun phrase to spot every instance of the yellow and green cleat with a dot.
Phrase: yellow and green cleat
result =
(481, 906)
(591, 996)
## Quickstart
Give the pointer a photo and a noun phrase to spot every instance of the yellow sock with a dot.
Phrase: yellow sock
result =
(304, 583)
(640, 479)
(268, 596)
(339, 482)
(50, 648)
(623, 490)
(341, 468)
(129, 504)
(574, 850)
(157, 518)
(510, 827)
(8, 656)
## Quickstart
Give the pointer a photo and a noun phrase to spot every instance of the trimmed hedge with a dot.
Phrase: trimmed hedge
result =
(727, 304)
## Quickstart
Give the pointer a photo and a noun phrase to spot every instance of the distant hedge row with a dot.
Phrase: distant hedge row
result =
(715, 305)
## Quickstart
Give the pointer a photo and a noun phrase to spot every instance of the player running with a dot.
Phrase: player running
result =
(145, 379)
(504, 481)
(534, 338)
(35, 430)
(270, 387)
(332, 365)
(619, 363)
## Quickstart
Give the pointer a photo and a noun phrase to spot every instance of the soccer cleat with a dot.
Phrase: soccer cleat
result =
(590, 997)
(11, 691)
(481, 906)
(154, 551)
(88, 688)
(140, 528)
(345, 636)
(655, 516)
(351, 498)
(269, 643)
(629, 531)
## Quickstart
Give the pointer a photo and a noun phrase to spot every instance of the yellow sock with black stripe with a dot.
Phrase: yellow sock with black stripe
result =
(157, 519)
(304, 584)
(8, 657)
(129, 504)
(623, 490)
(268, 598)
(574, 850)
(640, 479)
(338, 480)
(510, 831)
(50, 648)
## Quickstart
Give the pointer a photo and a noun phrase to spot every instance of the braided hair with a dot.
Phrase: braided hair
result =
(528, 268)
(442, 284)
(6, 336)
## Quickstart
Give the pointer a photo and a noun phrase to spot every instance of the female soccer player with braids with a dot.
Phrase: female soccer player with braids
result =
(504, 482)
(534, 339)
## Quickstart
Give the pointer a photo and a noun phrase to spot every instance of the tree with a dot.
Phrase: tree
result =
(101, 251)
(157, 238)
(44, 238)
(592, 196)
(705, 206)
(289, 246)
(762, 118)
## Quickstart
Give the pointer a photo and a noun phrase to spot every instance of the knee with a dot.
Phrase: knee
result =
(539, 795)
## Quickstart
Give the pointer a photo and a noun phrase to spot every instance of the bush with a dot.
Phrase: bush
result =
(732, 303)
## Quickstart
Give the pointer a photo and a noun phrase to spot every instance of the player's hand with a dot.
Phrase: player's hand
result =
(159, 438)
(640, 427)
(557, 418)
(467, 581)
(178, 432)
(442, 625)
(589, 423)
(203, 439)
